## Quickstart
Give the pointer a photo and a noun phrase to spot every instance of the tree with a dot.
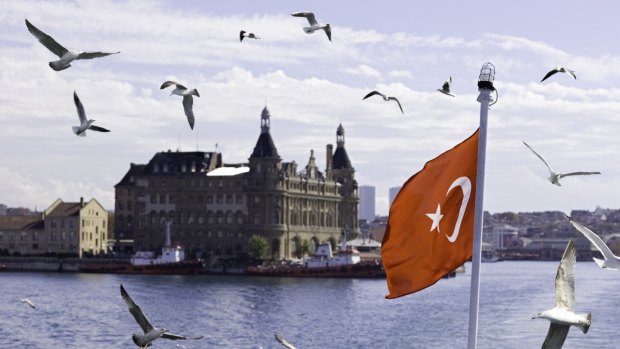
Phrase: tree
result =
(258, 246)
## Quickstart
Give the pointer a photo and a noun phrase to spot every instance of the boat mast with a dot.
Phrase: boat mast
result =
(167, 241)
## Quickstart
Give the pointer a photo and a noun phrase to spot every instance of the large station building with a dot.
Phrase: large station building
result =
(215, 207)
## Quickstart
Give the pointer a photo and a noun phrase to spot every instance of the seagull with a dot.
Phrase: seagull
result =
(611, 261)
(563, 316)
(385, 98)
(188, 101)
(554, 177)
(29, 302)
(559, 70)
(150, 333)
(244, 34)
(445, 89)
(314, 25)
(284, 342)
(84, 124)
(66, 56)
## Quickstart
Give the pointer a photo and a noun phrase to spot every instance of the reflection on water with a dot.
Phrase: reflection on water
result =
(86, 310)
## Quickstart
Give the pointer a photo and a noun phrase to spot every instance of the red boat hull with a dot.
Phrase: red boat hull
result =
(181, 268)
(361, 270)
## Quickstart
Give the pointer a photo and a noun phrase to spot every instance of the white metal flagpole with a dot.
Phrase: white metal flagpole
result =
(485, 86)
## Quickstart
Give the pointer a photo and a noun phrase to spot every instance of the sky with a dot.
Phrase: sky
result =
(310, 85)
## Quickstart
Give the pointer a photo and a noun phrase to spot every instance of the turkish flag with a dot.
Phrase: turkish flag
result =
(430, 229)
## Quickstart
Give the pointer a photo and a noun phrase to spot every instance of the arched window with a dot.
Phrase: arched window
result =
(230, 217)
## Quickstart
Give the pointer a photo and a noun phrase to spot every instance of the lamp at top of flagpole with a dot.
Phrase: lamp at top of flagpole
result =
(487, 76)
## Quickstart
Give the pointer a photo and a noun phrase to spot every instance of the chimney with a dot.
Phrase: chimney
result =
(328, 160)
(81, 201)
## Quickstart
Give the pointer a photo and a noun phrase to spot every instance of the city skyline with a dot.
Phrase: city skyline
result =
(405, 51)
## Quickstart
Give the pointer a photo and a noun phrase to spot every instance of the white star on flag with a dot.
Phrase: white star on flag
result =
(436, 217)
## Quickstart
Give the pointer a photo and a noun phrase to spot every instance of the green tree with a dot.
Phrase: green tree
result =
(258, 246)
(305, 247)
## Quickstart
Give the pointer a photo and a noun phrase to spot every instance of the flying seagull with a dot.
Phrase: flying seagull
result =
(150, 333)
(66, 56)
(244, 34)
(29, 302)
(445, 88)
(554, 177)
(188, 101)
(611, 261)
(385, 98)
(84, 124)
(314, 25)
(284, 342)
(559, 70)
(563, 315)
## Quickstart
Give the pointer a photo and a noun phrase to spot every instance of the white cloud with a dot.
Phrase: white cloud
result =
(363, 70)
(400, 74)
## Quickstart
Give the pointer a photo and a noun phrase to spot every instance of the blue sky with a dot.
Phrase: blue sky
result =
(310, 85)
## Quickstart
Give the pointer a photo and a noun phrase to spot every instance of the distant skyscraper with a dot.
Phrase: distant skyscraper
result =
(367, 203)
(393, 192)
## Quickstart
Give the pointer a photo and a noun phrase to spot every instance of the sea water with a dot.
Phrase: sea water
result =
(86, 310)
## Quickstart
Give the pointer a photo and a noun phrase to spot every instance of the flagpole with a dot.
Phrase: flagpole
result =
(485, 87)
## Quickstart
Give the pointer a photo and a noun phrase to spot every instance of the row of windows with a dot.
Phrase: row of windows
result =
(201, 234)
(170, 199)
(53, 236)
(202, 182)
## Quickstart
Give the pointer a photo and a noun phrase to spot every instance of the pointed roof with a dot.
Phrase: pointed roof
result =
(265, 148)
(340, 160)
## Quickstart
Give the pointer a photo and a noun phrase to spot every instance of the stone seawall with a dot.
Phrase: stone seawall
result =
(50, 264)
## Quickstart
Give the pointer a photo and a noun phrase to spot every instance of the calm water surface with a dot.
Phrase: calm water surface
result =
(86, 311)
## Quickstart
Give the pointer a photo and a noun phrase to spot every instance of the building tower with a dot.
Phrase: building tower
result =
(343, 173)
(367, 203)
(264, 190)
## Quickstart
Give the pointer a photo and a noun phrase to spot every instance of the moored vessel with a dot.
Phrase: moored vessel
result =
(345, 264)
(171, 261)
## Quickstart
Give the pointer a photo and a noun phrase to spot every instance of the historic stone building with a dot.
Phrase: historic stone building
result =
(69, 228)
(216, 207)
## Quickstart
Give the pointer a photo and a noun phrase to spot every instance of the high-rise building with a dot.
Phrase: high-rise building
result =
(392, 195)
(367, 203)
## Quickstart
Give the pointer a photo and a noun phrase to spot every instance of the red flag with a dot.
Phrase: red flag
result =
(430, 229)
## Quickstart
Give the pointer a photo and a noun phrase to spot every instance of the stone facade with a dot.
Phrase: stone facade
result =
(217, 207)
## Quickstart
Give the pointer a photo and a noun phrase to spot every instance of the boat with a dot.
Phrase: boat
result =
(489, 254)
(345, 264)
(171, 261)
(2, 267)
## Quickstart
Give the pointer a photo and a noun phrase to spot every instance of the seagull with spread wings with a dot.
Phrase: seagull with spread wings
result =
(314, 25)
(563, 315)
(611, 261)
(66, 56)
(554, 177)
(150, 333)
(445, 88)
(29, 302)
(85, 124)
(244, 34)
(284, 342)
(385, 98)
(188, 101)
(559, 70)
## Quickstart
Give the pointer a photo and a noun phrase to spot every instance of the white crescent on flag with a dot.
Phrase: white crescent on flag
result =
(465, 185)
